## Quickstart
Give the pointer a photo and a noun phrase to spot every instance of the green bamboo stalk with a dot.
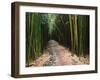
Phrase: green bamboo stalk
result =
(80, 29)
(71, 31)
(75, 33)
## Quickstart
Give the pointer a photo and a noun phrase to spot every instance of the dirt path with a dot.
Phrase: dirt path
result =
(62, 57)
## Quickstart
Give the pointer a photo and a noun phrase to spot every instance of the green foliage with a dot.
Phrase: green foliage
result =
(51, 22)
(33, 37)
(79, 29)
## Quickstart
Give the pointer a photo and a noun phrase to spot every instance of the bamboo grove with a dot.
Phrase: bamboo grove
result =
(71, 31)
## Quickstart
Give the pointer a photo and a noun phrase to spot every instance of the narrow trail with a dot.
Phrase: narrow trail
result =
(59, 58)
(63, 57)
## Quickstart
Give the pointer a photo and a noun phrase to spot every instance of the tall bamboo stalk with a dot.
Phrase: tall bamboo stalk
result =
(75, 33)
(71, 31)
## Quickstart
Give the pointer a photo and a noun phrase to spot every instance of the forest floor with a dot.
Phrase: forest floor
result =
(62, 57)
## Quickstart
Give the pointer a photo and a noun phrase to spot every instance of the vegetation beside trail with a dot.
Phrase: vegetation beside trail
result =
(70, 31)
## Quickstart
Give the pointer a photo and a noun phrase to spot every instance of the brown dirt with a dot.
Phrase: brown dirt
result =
(63, 57)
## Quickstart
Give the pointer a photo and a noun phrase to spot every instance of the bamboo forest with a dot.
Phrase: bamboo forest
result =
(54, 39)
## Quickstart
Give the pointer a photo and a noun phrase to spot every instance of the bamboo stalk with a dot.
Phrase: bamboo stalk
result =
(71, 31)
